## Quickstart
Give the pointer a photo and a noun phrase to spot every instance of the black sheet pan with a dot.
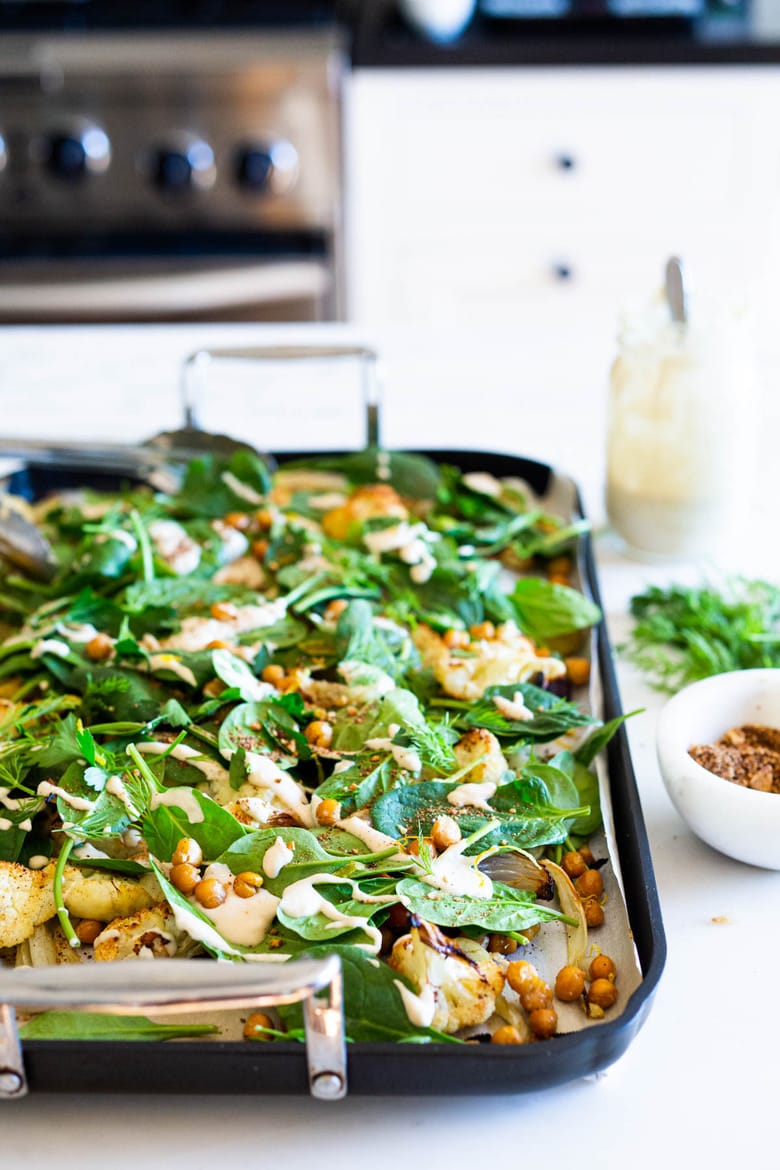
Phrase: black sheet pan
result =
(394, 1069)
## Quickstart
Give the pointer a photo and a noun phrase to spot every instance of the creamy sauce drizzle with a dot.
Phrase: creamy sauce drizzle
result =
(275, 858)
(420, 1009)
(472, 795)
(182, 799)
(46, 788)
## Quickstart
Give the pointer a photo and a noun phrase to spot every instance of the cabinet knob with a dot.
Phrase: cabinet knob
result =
(76, 151)
(565, 161)
(184, 165)
(563, 271)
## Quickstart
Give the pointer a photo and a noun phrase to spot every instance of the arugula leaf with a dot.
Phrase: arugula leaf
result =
(55, 1025)
(547, 610)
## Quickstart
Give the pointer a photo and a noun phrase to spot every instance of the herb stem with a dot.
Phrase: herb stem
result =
(62, 913)
(144, 545)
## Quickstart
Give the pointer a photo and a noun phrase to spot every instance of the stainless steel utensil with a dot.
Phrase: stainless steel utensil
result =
(675, 291)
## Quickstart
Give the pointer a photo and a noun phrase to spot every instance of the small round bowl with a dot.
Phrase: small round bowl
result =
(740, 822)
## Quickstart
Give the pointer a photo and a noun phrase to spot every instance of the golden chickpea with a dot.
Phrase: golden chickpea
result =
(99, 648)
(290, 682)
(602, 993)
(590, 884)
(445, 831)
(239, 520)
(559, 566)
(557, 579)
(218, 644)
(569, 983)
(319, 733)
(455, 639)
(537, 997)
(246, 884)
(214, 686)
(594, 912)
(223, 611)
(413, 846)
(254, 1028)
(185, 877)
(260, 549)
(264, 518)
(586, 854)
(334, 609)
(187, 852)
(543, 1022)
(602, 967)
(328, 812)
(573, 864)
(577, 671)
(210, 893)
(521, 975)
(88, 930)
(483, 631)
(507, 1034)
(501, 944)
(272, 673)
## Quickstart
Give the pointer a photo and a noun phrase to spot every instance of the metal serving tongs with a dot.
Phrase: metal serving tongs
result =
(159, 460)
(170, 986)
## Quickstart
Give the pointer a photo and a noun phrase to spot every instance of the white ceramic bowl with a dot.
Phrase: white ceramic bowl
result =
(740, 822)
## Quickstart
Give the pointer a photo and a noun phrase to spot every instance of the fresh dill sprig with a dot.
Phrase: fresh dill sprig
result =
(433, 744)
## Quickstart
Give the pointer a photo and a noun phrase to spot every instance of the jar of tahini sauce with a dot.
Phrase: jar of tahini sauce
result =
(679, 448)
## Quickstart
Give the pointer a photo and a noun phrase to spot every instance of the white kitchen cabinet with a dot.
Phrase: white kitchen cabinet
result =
(534, 196)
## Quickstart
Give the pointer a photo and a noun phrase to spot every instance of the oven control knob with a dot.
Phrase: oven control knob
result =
(183, 166)
(78, 151)
(264, 168)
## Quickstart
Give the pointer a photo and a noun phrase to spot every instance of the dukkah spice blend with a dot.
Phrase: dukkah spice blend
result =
(748, 756)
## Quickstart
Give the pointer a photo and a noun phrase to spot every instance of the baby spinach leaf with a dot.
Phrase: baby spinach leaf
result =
(552, 716)
(214, 828)
(93, 1026)
(309, 856)
(546, 610)
(265, 726)
(319, 927)
(599, 739)
(506, 910)
(235, 673)
(397, 706)
(373, 1008)
(360, 785)
(358, 639)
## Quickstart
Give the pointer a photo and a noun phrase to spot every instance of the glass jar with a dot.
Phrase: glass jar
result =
(680, 426)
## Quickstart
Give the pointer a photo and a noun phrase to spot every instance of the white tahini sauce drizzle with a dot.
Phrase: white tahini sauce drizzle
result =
(264, 774)
(406, 758)
(301, 900)
(174, 665)
(9, 802)
(174, 546)
(513, 708)
(483, 483)
(5, 824)
(181, 798)
(189, 755)
(276, 857)
(78, 631)
(244, 921)
(377, 842)
(453, 873)
(421, 1008)
(244, 491)
(115, 786)
(46, 788)
(472, 795)
(50, 646)
(38, 861)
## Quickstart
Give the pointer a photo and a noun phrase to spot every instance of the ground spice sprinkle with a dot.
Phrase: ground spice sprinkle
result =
(748, 756)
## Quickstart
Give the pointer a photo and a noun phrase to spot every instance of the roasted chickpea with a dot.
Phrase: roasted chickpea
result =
(507, 1034)
(260, 549)
(88, 930)
(254, 1028)
(185, 877)
(586, 854)
(521, 975)
(290, 682)
(501, 944)
(214, 686)
(187, 852)
(239, 520)
(246, 884)
(223, 611)
(590, 884)
(573, 864)
(536, 997)
(413, 846)
(559, 566)
(272, 673)
(594, 912)
(334, 609)
(569, 983)
(210, 893)
(602, 967)
(99, 648)
(328, 812)
(603, 993)
(577, 671)
(483, 631)
(319, 733)
(543, 1022)
(264, 518)
(455, 639)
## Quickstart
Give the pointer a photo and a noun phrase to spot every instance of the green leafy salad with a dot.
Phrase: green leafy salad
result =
(324, 709)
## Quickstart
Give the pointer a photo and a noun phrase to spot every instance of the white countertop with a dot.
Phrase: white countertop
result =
(698, 1079)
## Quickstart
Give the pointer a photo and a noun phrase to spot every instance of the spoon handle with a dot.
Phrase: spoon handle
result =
(675, 290)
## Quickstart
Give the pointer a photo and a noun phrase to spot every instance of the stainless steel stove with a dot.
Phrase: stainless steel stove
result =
(171, 174)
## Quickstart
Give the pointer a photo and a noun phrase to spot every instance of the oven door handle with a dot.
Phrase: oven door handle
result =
(147, 295)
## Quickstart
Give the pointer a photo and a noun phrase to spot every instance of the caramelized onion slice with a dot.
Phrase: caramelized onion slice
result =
(571, 905)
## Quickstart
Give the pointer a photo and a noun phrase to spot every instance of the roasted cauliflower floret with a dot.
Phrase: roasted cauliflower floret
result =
(103, 896)
(152, 930)
(464, 978)
(26, 901)
(510, 657)
(481, 745)
(363, 683)
(366, 503)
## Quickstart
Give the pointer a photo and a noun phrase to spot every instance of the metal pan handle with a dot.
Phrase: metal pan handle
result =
(196, 366)
(170, 986)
